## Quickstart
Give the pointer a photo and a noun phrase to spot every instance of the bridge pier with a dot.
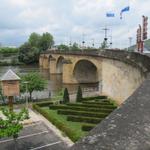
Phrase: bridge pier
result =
(41, 59)
(68, 77)
(52, 66)
(46, 63)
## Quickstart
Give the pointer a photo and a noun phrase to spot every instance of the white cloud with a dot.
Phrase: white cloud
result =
(19, 18)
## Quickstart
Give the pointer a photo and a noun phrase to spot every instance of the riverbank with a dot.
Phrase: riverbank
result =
(13, 63)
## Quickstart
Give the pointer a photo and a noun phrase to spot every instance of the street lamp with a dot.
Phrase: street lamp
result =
(26, 84)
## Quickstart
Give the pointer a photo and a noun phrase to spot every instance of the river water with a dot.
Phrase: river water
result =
(54, 81)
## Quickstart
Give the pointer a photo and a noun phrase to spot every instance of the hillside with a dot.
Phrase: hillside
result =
(146, 46)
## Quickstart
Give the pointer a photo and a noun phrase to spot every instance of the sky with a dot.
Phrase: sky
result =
(69, 20)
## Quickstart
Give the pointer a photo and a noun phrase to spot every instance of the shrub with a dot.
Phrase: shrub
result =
(72, 134)
(94, 106)
(66, 98)
(84, 119)
(82, 113)
(79, 95)
(55, 107)
(98, 103)
(95, 98)
(44, 104)
(87, 127)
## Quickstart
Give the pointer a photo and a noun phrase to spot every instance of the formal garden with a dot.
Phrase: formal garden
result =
(76, 119)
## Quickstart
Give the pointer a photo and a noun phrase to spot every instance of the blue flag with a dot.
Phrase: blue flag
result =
(110, 15)
(124, 10)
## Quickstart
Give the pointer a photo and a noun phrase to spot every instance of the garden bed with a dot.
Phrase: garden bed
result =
(76, 119)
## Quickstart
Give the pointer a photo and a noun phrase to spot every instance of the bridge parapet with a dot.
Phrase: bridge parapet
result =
(135, 59)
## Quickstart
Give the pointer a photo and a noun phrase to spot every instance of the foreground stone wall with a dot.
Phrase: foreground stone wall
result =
(127, 128)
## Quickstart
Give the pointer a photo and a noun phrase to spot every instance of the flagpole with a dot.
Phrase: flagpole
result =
(128, 29)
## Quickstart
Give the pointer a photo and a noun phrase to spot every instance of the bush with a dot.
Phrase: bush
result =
(98, 103)
(95, 98)
(69, 132)
(94, 106)
(79, 95)
(66, 98)
(55, 107)
(44, 104)
(82, 113)
(8, 50)
(87, 127)
(84, 119)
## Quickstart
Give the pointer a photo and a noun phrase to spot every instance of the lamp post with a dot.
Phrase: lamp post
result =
(26, 84)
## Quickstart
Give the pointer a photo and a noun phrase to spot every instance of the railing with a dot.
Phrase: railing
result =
(84, 90)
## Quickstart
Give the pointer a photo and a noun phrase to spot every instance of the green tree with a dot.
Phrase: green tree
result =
(28, 54)
(35, 83)
(75, 47)
(63, 47)
(79, 95)
(1, 94)
(34, 39)
(46, 41)
(66, 98)
(104, 45)
(11, 125)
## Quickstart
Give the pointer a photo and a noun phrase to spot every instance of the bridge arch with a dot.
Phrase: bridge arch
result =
(49, 58)
(85, 71)
(59, 65)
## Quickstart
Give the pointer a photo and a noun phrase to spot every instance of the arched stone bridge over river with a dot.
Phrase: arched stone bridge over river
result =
(123, 76)
(119, 73)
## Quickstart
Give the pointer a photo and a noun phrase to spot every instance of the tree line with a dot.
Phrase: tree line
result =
(30, 50)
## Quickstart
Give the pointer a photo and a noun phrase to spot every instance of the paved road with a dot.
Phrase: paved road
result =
(35, 137)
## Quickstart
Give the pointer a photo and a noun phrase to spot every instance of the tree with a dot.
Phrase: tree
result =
(75, 47)
(79, 94)
(28, 54)
(63, 47)
(66, 98)
(46, 41)
(34, 39)
(11, 124)
(1, 95)
(35, 83)
(104, 45)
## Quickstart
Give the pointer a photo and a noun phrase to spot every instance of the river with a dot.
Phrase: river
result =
(54, 81)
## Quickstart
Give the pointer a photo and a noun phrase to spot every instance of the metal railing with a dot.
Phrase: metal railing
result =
(84, 90)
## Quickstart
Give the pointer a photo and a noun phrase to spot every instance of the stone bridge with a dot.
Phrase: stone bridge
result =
(119, 73)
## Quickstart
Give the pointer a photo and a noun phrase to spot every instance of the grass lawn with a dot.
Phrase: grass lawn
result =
(75, 120)
(63, 118)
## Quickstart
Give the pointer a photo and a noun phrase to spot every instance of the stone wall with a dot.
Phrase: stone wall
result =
(120, 80)
(120, 73)
(127, 128)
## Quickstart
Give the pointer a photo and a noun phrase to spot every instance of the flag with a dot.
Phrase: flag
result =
(124, 10)
(110, 15)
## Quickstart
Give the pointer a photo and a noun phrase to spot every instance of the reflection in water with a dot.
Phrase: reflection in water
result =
(54, 81)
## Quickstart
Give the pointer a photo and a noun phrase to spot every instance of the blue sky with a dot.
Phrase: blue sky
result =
(67, 19)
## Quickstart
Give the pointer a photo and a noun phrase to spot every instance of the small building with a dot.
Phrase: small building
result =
(10, 84)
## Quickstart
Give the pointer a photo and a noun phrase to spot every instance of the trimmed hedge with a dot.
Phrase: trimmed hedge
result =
(87, 127)
(69, 132)
(93, 105)
(55, 107)
(98, 103)
(79, 96)
(44, 104)
(94, 98)
(82, 113)
(84, 119)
